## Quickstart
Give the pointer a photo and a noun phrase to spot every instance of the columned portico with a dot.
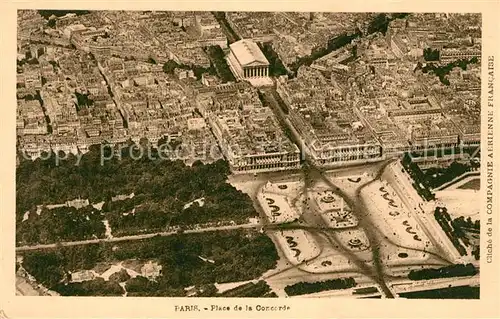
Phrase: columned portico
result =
(255, 71)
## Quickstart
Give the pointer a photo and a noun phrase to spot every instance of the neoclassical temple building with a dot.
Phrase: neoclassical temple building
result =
(246, 60)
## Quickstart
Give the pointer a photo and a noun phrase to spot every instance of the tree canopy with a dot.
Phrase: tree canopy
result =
(161, 187)
(237, 255)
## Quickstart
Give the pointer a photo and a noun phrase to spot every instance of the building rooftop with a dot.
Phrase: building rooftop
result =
(248, 53)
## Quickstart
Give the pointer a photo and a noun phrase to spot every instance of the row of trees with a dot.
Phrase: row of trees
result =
(476, 252)
(380, 22)
(465, 226)
(418, 176)
(220, 16)
(276, 67)
(249, 290)
(303, 288)
(237, 255)
(222, 69)
(443, 71)
(443, 218)
(461, 228)
(461, 292)
(332, 45)
(459, 270)
(46, 14)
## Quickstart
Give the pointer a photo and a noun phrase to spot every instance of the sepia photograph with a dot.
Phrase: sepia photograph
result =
(248, 154)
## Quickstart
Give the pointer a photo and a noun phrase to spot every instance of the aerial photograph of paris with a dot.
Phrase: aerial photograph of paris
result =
(248, 154)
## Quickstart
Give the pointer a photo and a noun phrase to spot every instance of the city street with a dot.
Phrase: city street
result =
(134, 237)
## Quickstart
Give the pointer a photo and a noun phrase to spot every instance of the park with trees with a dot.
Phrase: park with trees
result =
(161, 187)
(237, 255)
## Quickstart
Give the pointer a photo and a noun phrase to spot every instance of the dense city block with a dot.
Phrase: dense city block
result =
(248, 154)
